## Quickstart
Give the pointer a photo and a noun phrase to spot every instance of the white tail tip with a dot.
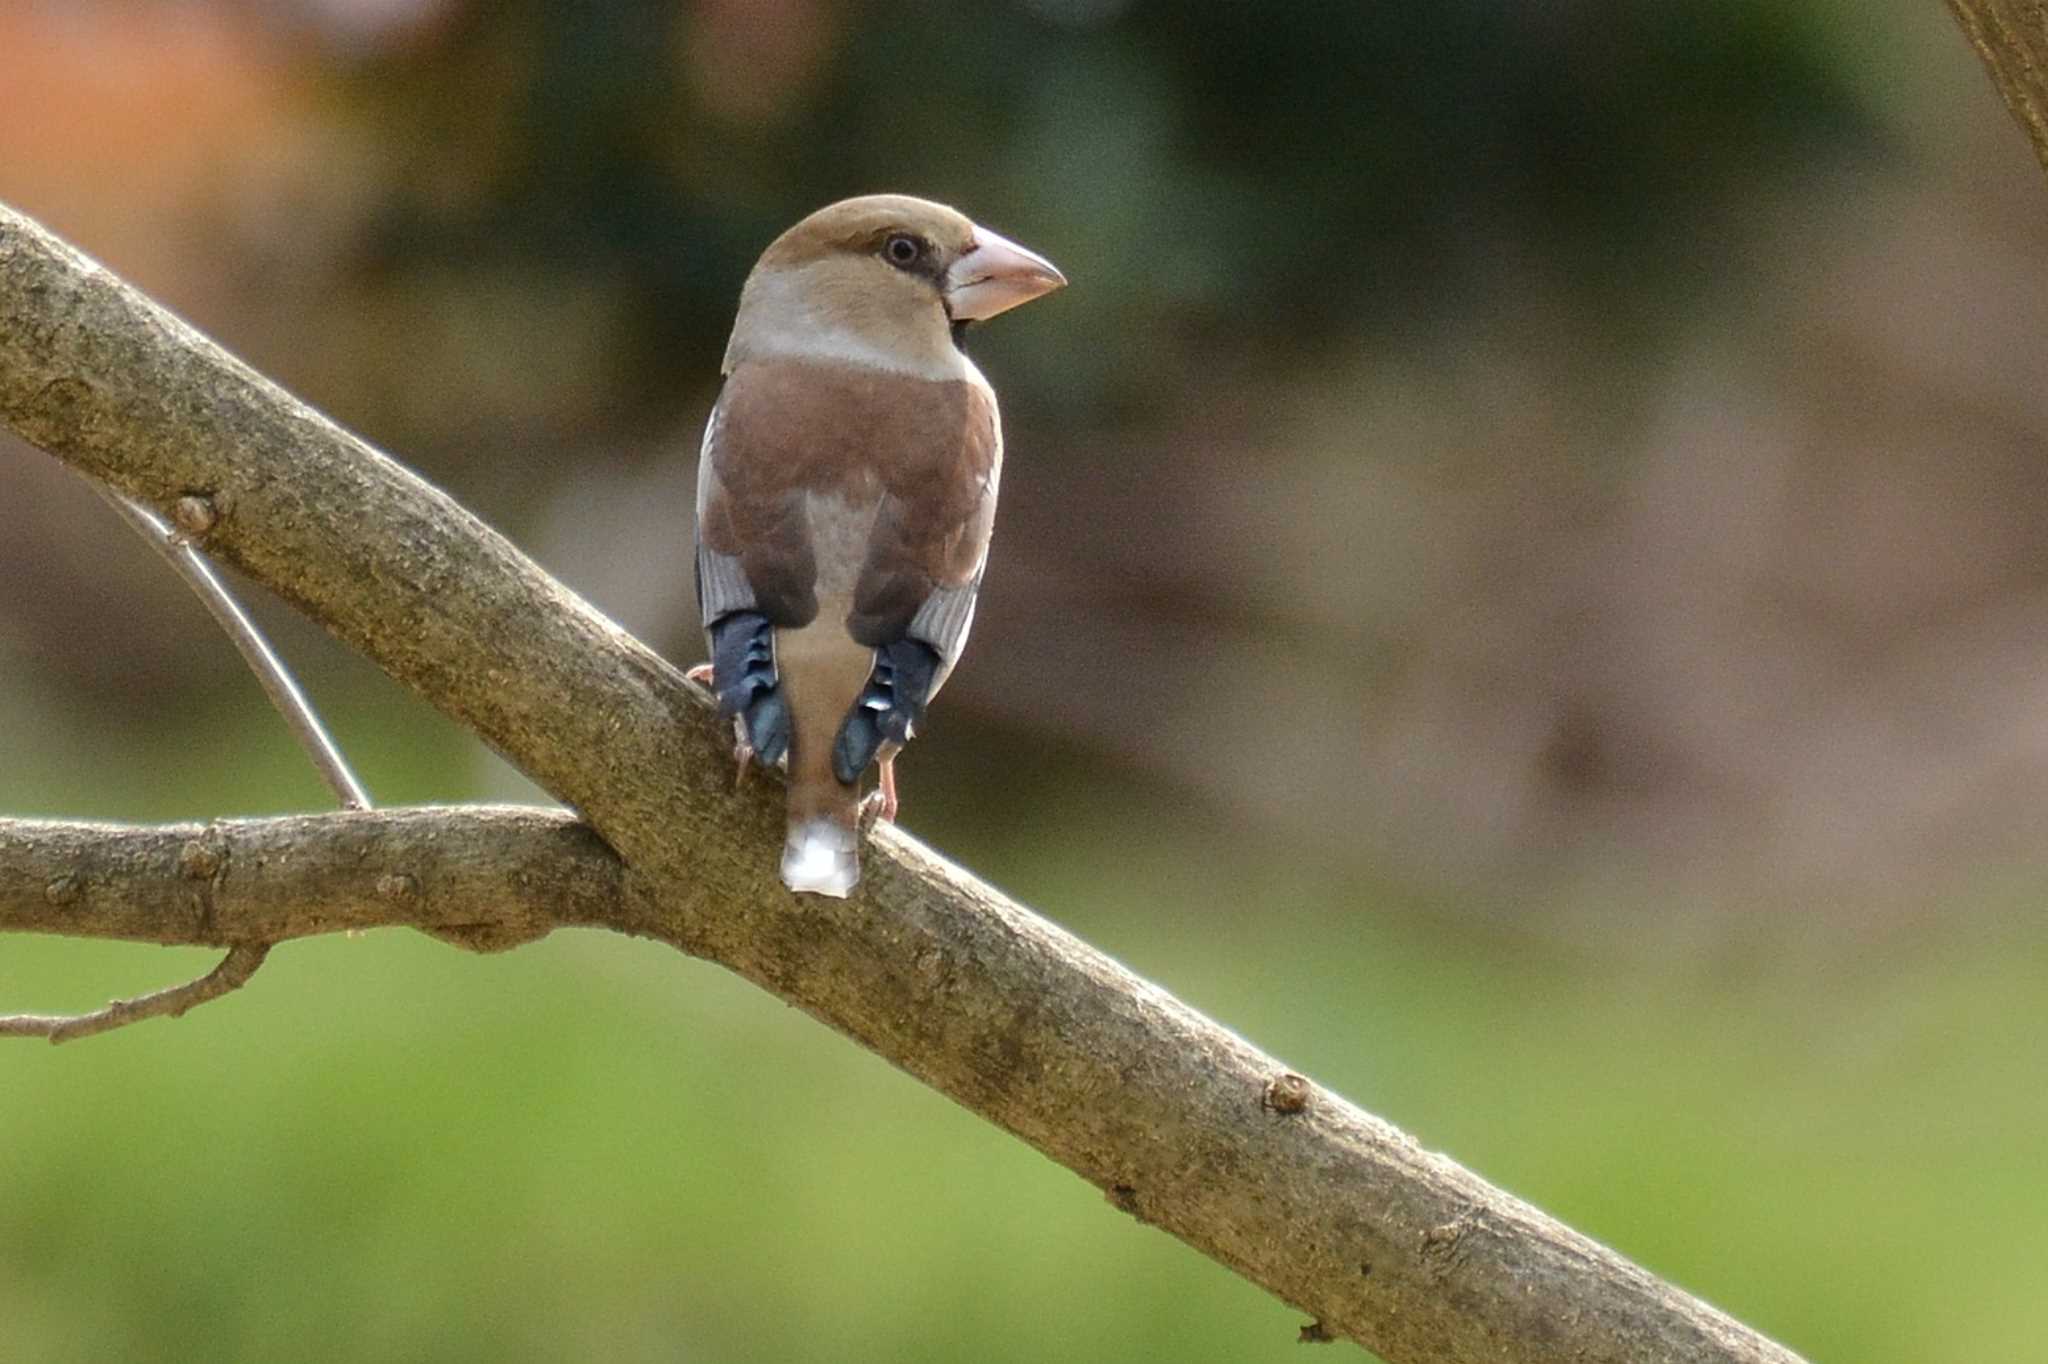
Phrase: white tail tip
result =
(820, 857)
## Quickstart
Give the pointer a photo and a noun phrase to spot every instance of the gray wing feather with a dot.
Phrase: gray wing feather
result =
(948, 613)
(722, 585)
(943, 622)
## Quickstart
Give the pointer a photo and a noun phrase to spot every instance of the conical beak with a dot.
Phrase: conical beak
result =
(995, 277)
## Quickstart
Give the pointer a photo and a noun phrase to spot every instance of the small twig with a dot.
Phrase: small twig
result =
(233, 972)
(277, 682)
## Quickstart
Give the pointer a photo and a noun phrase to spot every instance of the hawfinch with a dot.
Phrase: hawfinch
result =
(844, 498)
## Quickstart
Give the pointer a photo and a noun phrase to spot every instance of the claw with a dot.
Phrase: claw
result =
(742, 755)
(701, 674)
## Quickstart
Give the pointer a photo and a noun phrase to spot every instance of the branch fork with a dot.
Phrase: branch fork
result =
(193, 516)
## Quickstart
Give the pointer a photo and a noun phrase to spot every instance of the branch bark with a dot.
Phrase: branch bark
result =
(481, 877)
(1179, 1121)
(2012, 38)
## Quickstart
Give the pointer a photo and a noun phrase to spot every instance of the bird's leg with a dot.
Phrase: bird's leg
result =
(742, 751)
(742, 754)
(881, 802)
(887, 766)
(883, 718)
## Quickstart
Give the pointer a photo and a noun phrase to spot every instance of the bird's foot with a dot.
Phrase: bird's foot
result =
(887, 789)
(881, 802)
(701, 674)
(742, 755)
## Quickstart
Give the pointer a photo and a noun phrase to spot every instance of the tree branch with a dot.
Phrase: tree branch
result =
(2012, 38)
(195, 516)
(1182, 1123)
(482, 877)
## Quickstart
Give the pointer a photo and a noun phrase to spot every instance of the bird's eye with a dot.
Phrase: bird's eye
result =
(903, 250)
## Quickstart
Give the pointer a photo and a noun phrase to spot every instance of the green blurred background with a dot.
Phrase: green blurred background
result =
(1522, 588)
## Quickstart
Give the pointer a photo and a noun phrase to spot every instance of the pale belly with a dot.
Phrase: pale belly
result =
(840, 530)
(821, 667)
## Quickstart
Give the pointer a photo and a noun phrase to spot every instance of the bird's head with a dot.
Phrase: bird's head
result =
(884, 279)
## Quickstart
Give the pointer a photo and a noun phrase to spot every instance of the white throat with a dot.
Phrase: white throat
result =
(779, 317)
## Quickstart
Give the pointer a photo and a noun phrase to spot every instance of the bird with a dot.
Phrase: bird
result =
(846, 491)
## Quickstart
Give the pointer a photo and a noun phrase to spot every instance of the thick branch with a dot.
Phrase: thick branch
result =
(2012, 38)
(1169, 1113)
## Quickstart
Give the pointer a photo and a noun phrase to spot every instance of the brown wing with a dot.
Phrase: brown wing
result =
(931, 532)
(753, 539)
(789, 436)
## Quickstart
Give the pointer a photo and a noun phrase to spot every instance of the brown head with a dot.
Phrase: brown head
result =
(882, 280)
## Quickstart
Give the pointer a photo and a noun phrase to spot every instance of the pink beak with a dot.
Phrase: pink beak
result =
(995, 277)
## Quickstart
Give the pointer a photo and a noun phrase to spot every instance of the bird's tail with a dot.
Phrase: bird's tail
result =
(821, 855)
(821, 852)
